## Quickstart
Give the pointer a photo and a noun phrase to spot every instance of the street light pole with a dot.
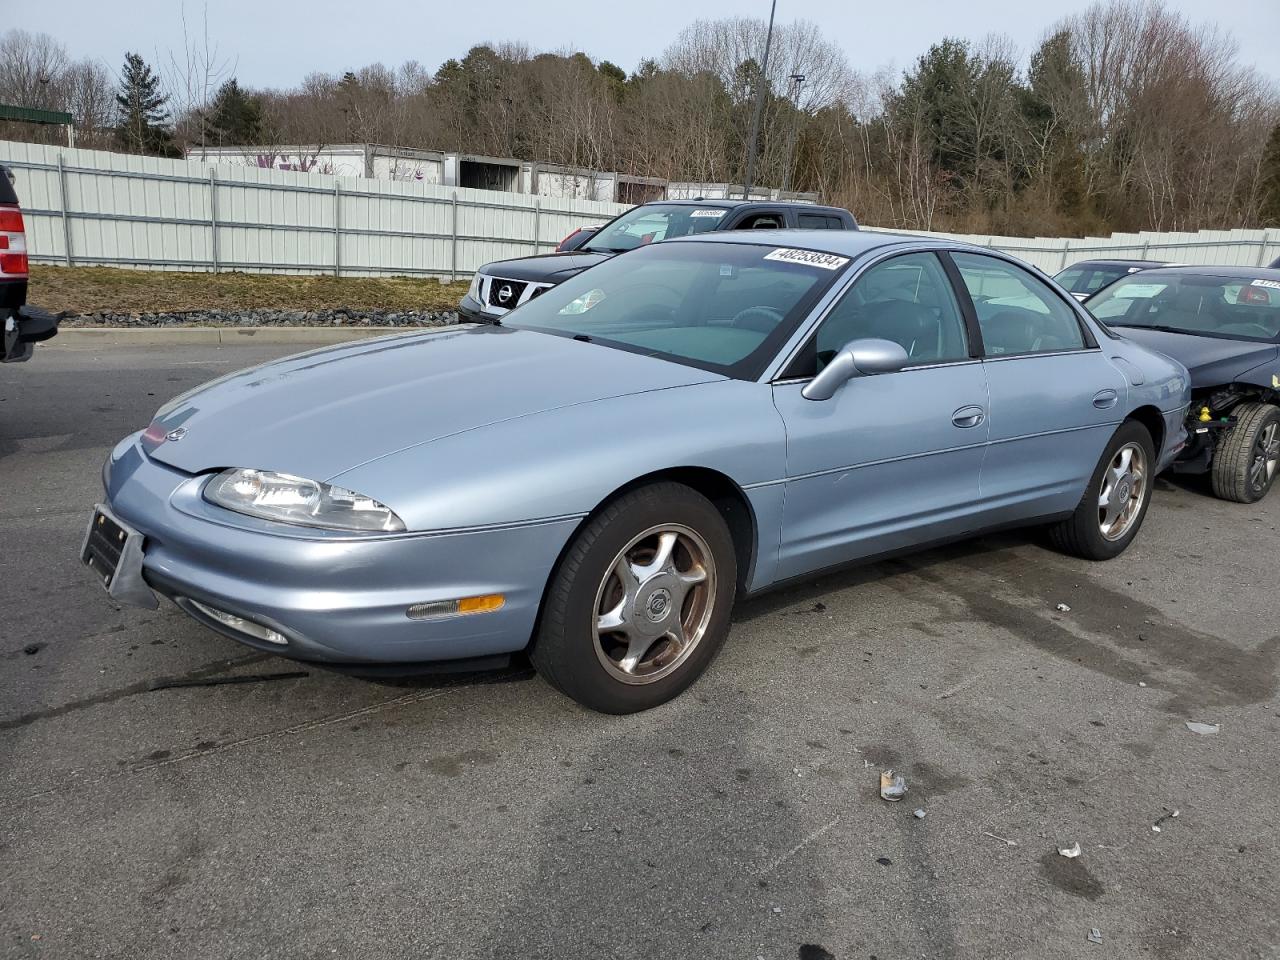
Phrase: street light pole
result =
(759, 107)
(796, 80)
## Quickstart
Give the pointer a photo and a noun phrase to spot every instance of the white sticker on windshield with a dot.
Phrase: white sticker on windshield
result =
(1139, 290)
(810, 258)
(1273, 284)
(708, 213)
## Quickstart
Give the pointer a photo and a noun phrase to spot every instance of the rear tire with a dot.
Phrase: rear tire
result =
(1245, 463)
(640, 603)
(1115, 501)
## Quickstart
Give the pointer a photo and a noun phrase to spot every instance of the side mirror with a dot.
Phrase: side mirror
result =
(861, 358)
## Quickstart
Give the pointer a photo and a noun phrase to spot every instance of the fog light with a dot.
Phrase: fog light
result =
(436, 609)
(240, 624)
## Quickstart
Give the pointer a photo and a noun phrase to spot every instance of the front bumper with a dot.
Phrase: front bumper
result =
(335, 598)
(1176, 437)
(471, 310)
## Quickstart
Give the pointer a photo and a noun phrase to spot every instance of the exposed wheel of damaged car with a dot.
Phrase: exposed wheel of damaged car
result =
(595, 478)
(640, 604)
(1244, 467)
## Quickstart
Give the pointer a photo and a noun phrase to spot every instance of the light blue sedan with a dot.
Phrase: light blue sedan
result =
(596, 479)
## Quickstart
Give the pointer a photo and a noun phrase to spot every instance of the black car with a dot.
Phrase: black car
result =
(1082, 280)
(1223, 325)
(22, 326)
(505, 284)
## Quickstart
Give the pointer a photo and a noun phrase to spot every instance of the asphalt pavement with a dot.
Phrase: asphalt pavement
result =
(324, 816)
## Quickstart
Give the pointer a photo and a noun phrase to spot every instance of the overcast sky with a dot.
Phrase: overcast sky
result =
(278, 42)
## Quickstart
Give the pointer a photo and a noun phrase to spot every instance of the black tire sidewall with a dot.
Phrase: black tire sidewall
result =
(1260, 416)
(569, 639)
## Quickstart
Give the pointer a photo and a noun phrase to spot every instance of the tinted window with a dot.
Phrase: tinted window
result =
(1229, 307)
(1017, 311)
(908, 300)
(723, 306)
(817, 221)
(762, 221)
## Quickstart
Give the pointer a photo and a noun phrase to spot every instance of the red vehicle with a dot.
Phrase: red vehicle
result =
(576, 239)
(22, 326)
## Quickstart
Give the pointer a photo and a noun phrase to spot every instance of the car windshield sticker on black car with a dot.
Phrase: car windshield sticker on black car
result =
(810, 258)
(1273, 284)
(708, 213)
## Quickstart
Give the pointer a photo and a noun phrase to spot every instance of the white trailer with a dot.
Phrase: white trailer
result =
(372, 160)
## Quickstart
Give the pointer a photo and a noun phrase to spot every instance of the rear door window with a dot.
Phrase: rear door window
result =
(1018, 312)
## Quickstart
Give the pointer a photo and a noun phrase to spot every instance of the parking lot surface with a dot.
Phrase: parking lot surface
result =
(325, 816)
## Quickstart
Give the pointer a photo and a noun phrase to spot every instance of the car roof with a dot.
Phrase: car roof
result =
(844, 243)
(734, 204)
(1115, 263)
(1215, 270)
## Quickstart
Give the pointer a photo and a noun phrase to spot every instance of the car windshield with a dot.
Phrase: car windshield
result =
(654, 222)
(1090, 278)
(725, 307)
(1233, 308)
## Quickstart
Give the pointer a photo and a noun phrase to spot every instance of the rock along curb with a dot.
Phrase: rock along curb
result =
(222, 336)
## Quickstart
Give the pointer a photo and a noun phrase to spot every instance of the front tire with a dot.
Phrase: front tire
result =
(1115, 502)
(1245, 463)
(640, 603)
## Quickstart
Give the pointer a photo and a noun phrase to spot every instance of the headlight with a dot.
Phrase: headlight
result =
(290, 499)
(473, 291)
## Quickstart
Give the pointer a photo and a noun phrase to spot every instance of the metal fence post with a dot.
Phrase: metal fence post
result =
(66, 215)
(213, 216)
(453, 255)
(337, 227)
(537, 219)
(1262, 250)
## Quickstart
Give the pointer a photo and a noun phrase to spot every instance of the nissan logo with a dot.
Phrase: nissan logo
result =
(504, 293)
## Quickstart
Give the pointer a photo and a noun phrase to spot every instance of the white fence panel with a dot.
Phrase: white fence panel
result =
(148, 212)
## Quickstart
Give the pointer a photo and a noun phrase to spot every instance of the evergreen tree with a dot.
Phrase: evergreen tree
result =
(236, 117)
(143, 118)
(1270, 205)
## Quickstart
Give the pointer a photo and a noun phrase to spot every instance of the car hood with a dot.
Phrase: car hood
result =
(1210, 360)
(319, 414)
(546, 267)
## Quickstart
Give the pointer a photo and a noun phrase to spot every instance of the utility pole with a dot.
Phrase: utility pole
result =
(796, 80)
(759, 108)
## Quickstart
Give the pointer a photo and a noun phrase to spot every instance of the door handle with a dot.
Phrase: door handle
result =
(1105, 399)
(970, 416)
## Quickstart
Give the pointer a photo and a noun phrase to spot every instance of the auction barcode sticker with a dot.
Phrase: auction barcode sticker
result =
(1273, 284)
(708, 213)
(810, 258)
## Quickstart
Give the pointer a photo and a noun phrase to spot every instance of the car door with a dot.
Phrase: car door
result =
(1055, 397)
(889, 461)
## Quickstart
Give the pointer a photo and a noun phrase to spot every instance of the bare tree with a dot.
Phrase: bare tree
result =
(192, 77)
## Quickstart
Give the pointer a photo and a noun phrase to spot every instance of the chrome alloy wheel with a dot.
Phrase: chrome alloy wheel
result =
(654, 604)
(1266, 454)
(1124, 484)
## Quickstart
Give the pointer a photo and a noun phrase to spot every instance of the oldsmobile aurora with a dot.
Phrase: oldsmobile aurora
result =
(597, 478)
